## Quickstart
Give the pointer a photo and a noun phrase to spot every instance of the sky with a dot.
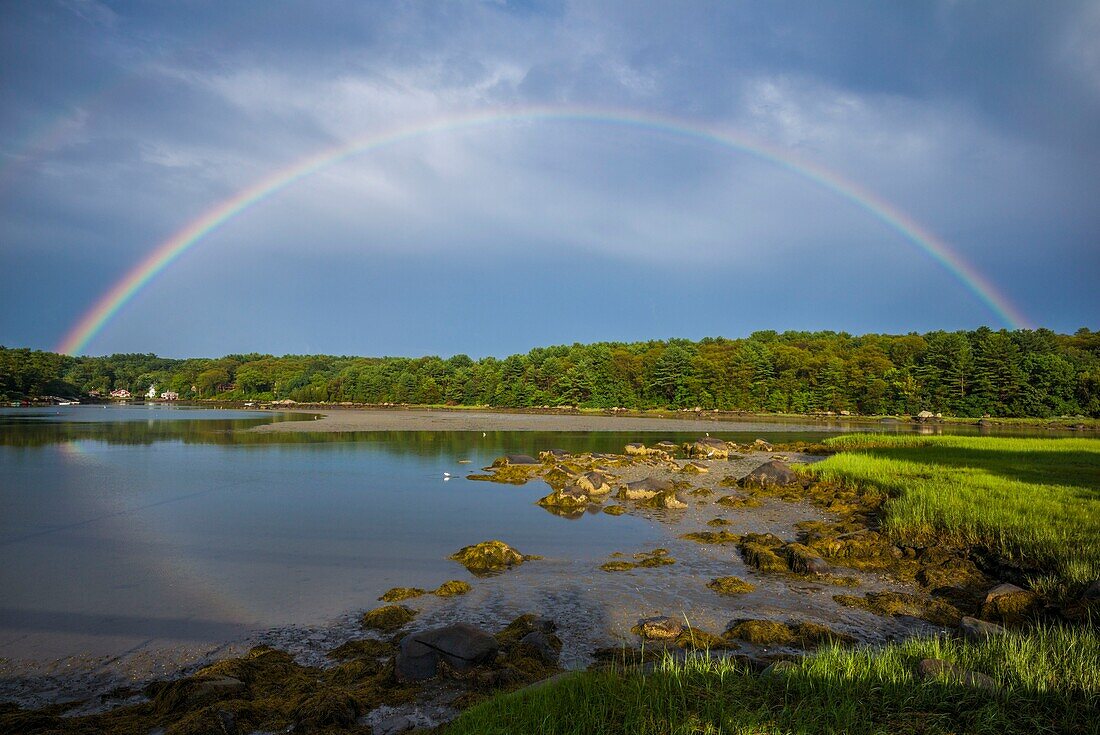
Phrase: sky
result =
(123, 123)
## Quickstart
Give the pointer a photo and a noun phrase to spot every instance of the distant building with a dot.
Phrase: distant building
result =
(169, 396)
(120, 393)
(152, 393)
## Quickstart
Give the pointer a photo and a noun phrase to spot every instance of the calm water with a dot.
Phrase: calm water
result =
(123, 526)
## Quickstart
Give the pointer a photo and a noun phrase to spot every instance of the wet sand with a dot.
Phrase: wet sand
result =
(354, 419)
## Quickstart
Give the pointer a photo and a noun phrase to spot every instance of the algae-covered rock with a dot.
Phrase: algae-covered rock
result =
(397, 594)
(656, 561)
(694, 639)
(719, 522)
(810, 635)
(614, 510)
(1009, 604)
(514, 459)
(761, 632)
(636, 450)
(489, 557)
(666, 499)
(739, 501)
(730, 586)
(388, 618)
(644, 489)
(774, 473)
(325, 709)
(758, 554)
(618, 566)
(594, 483)
(568, 498)
(894, 604)
(452, 588)
(659, 628)
(694, 468)
(712, 537)
(802, 559)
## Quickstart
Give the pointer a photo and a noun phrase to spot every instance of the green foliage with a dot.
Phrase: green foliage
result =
(1035, 502)
(1046, 680)
(1021, 373)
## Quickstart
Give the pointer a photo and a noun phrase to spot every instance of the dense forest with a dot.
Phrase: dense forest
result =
(1000, 373)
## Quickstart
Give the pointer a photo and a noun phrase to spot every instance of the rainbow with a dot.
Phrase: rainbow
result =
(93, 321)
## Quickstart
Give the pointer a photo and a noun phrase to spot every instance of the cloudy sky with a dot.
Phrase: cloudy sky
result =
(121, 123)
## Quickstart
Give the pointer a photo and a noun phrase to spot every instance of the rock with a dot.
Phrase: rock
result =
(489, 557)
(1009, 603)
(761, 446)
(761, 632)
(803, 559)
(644, 489)
(550, 455)
(593, 483)
(452, 588)
(667, 447)
(1091, 593)
(636, 450)
(519, 459)
(730, 586)
(666, 499)
(774, 473)
(568, 498)
(932, 669)
(810, 635)
(540, 645)
(708, 447)
(460, 645)
(895, 604)
(388, 618)
(925, 415)
(973, 629)
(660, 628)
(401, 593)
(614, 510)
(761, 556)
(694, 468)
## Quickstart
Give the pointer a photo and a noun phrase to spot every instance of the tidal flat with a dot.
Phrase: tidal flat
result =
(288, 539)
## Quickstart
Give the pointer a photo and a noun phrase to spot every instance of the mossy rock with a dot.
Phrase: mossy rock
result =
(811, 635)
(893, 604)
(666, 499)
(730, 586)
(614, 510)
(712, 537)
(452, 588)
(804, 560)
(489, 557)
(327, 708)
(694, 639)
(365, 648)
(762, 632)
(656, 561)
(762, 557)
(388, 618)
(739, 501)
(397, 594)
(567, 499)
(719, 522)
(618, 566)
(694, 468)
(1007, 603)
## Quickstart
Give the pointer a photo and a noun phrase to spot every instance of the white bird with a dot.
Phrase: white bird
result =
(446, 474)
(484, 434)
(707, 433)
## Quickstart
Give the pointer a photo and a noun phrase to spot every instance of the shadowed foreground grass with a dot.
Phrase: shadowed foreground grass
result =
(1032, 502)
(1048, 680)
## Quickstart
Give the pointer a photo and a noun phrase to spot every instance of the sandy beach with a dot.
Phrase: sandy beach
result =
(351, 419)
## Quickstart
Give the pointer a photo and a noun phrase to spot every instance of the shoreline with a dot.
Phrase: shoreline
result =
(340, 418)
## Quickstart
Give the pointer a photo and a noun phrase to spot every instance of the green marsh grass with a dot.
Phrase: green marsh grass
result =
(1033, 502)
(1048, 680)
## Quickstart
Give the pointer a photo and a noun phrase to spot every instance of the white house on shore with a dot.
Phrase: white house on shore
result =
(120, 393)
(169, 395)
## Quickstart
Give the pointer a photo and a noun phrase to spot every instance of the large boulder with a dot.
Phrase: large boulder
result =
(803, 559)
(708, 447)
(460, 645)
(774, 473)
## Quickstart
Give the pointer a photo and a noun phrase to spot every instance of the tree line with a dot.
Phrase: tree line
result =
(965, 373)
